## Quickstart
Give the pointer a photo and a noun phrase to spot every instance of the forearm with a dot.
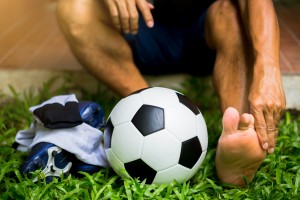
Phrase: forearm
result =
(261, 25)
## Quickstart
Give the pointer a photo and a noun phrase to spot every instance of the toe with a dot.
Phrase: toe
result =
(230, 120)
(246, 122)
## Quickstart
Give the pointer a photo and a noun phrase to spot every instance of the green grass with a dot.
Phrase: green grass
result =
(277, 178)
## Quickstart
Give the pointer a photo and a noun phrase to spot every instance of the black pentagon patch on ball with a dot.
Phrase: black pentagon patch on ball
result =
(149, 119)
(191, 151)
(139, 168)
(188, 103)
(108, 131)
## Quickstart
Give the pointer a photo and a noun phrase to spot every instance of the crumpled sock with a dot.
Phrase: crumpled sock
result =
(58, 112)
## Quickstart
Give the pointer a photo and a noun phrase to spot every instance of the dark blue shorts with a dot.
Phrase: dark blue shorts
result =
(167, 49)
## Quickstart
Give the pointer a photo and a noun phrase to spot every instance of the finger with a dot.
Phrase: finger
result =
(272, 130)
(133, 18)
(261, 129)
(145, 10)
(277, 115)
(114, 14)
(151, 6)
(124, 15)
(273, 133)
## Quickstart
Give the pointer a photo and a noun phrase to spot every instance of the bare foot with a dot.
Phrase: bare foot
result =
(239, 152)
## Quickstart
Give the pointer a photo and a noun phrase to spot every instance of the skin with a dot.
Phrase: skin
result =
(235, 161)
(246, 75)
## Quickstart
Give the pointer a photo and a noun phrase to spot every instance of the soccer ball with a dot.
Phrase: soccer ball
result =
(156, 134)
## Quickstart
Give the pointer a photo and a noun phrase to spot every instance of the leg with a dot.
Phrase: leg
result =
(98, 46)
(233, 67)
(239, 153)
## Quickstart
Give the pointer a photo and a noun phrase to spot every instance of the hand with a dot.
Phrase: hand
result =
(124, 14)
(267, 104)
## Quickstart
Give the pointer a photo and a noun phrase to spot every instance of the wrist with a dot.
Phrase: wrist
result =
(266, 60)
(264, 64)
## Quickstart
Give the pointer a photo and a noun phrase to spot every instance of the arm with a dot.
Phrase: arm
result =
(267, 98)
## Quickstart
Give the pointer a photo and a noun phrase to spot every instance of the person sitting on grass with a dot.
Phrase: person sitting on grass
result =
(236, 41)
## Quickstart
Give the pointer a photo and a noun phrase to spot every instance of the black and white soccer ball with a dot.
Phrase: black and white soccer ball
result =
(156, 134)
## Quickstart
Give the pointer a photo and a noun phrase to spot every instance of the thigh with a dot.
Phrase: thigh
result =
(169, 49)
(198, 57)
(157, 50)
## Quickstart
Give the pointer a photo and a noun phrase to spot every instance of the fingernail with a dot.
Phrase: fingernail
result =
(271, 150)
(150, 24)
(265, 146)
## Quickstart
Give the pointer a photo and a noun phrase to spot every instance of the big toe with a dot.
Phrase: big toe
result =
(230, 120)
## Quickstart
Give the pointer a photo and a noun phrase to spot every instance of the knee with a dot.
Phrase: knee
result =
(224, 24)
(223, 11)
(72, 18)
